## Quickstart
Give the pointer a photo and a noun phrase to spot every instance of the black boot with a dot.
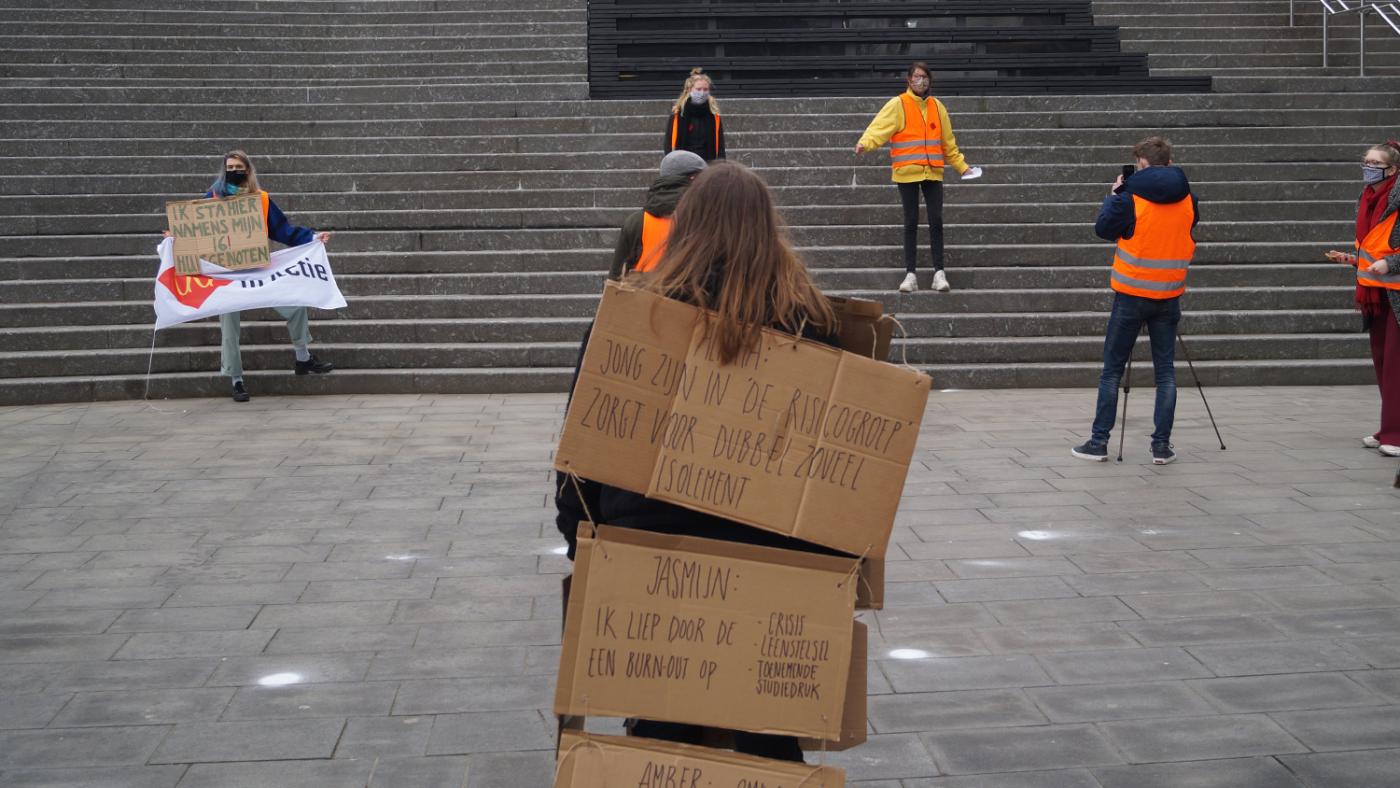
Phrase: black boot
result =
(240, 394)
(314, 366)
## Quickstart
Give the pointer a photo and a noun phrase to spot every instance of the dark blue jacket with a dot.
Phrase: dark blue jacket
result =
(281, 229)
(1164, 185)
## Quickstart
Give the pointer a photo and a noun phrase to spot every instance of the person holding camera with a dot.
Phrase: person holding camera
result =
(1377, 262)
(1151, 214)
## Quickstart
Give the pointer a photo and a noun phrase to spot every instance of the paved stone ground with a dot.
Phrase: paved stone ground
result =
(390, 562)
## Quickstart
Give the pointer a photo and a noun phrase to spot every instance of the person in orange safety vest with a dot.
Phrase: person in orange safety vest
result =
(643, 235)
(1151, 216)
(1377, 261)
(922, 146)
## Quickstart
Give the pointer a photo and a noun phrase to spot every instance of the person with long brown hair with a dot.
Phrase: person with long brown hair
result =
(695, 124)
(727, 253)
(1377, 264)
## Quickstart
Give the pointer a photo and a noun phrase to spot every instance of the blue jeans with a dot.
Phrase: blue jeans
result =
(1124, 323)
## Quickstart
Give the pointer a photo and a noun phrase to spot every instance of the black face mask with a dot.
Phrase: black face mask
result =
(235, 177)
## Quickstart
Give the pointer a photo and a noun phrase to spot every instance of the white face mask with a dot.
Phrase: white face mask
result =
(699, 96)
(1372, 175)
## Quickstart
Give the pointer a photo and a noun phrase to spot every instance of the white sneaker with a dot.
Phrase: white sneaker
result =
(940, 282)
(909, 285)
(1390, 451)
(1370, 442)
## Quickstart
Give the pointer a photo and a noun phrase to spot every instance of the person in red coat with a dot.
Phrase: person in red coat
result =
(1378, 283)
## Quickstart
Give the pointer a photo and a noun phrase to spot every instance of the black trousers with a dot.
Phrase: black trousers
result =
(764, 745)
(933, 200)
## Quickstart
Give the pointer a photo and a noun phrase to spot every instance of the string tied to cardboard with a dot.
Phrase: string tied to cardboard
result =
(578, 490)
(855, 569)
(816, 770)
(904, 346)
(567, 754)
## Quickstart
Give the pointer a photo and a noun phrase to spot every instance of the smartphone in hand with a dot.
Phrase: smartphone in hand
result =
(1128, 170)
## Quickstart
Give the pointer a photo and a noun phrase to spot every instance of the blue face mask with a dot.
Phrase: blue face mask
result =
(1372, 175)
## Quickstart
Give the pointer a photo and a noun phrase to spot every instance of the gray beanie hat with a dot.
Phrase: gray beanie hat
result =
(681, 162)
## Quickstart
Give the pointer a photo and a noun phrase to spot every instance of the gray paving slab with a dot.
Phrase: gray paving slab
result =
(1360, 768)
(1021, 749)
(1199, 738)
(263, 740)
(1227, 773)
(143, 707)
(99, 777)
(1099, 702)
(285, 774)
(75, 747)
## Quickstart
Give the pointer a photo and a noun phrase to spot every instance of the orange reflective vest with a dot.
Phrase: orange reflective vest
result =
(1153, 263)
(1374, 247)
(920, 142)
(675, 131)
(655, 229)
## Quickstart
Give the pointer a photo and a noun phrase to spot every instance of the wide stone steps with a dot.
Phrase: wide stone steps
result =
(186, 185)
(762, 149)
(475, 197)
(139, 288)
(1323, 231)
(459, 380)
(352, 331)
(980, 193)
(479, 355)
(528, 305)
(971, 200)
(804, 219)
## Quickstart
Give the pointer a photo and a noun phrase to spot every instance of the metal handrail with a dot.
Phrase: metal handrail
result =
(1388, 12)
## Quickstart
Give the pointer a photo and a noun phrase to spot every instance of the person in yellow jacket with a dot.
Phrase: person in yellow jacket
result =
(916, 126)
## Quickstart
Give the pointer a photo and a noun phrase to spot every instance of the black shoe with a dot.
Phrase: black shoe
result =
(1091, 450)
(1162, 453)
(314, 366)
(240, 394)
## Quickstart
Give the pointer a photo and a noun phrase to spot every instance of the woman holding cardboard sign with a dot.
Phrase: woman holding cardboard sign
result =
(726, 253)
(239, 177)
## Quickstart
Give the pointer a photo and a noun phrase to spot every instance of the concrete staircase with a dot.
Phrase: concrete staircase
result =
(474, 193)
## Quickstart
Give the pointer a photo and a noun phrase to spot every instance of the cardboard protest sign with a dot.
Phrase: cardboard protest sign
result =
(854, 718)
(794, 437)
(230, 233)
(594, 761)
(865, 329)
(707, 632)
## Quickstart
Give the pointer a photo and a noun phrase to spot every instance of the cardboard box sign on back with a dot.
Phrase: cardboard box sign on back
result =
(865, 328)
(230, 233)
(795, 437)
(594, 761)
(712, 633)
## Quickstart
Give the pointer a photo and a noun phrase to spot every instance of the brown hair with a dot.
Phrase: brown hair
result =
(918, 65)
(696, 74)
(1157, 151)
(1390, 148)
(728, 252)
(250, 186)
